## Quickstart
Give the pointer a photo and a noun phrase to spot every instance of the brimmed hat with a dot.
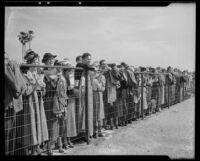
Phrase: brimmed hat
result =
(142, 69)
(119, 66)
(158, 68)
(152, 70)
(48, 56)
(96, 63)
(65, 61)
(30, 55)
(164, 70)
(112, 65)
(69, 65)
(124, 64)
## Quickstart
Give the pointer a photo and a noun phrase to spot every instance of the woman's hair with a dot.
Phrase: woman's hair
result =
(78, 58)
(31, 60)
(101, 61)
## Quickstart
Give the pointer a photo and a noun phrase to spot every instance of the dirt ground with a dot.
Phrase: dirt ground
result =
(169, 132)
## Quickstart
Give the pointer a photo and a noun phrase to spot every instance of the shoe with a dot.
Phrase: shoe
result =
(34, 153)
(49, 152)
(100, 135)
(116, 126)
(106, 127)
(111, 127)
(65, 147)
(70, 145)
(39, 151)
(133, 119)
(95, 136)
(61, 150)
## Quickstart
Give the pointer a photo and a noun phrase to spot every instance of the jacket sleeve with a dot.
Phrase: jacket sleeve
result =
(9, 73)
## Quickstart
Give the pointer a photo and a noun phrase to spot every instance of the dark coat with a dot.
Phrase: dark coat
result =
(51, 105)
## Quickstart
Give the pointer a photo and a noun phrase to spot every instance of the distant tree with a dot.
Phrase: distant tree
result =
(25, 38)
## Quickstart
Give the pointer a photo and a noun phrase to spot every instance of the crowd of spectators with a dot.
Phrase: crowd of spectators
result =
(45, 107)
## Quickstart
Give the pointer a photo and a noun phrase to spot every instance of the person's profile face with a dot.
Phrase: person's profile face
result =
(103, 64)
(122, 68)
(36, 61)
(87, 60)
(79, 60)
(50, 61)
(68, 72)
(115, 68)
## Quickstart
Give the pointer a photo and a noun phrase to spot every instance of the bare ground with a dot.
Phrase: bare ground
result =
(169, 132)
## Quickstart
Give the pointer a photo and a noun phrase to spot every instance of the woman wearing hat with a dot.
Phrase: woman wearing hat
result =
(60, 106)
(49, 103)
(70, 121)
(99, 82)
(34, 119)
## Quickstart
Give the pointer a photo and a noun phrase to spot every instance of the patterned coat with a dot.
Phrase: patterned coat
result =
(98, 88)
(33, 115)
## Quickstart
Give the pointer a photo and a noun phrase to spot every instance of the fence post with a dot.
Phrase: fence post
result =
(183, 91)
(168, 86)
(142, 84)
(86, 106)
(193, 88)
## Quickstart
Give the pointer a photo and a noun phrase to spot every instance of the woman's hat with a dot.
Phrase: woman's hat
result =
(66, 64)
(48, 56)
(142, 69)
(112, 65)
(119, 66)
(124, 64)
(30, 55)
(152, 70)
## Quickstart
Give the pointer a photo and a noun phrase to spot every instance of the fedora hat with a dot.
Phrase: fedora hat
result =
(48, 56)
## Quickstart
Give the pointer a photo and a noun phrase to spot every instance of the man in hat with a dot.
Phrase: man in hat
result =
(86, 64)
(170, 82)
(48, 59)
(124, 64)
(103, 66)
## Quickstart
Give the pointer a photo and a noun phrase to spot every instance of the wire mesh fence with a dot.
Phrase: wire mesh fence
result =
(78, 104)
(52, 116)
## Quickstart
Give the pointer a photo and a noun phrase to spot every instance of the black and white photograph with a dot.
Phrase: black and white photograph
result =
(100, 80)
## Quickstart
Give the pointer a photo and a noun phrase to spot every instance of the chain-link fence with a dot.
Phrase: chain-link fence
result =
(67, 109)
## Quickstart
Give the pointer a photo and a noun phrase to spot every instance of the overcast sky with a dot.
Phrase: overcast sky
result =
(139, 36)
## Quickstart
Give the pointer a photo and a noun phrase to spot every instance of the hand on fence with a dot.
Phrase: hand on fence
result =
(59, 115)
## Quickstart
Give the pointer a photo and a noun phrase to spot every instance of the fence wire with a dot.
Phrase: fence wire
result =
(53, 120)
